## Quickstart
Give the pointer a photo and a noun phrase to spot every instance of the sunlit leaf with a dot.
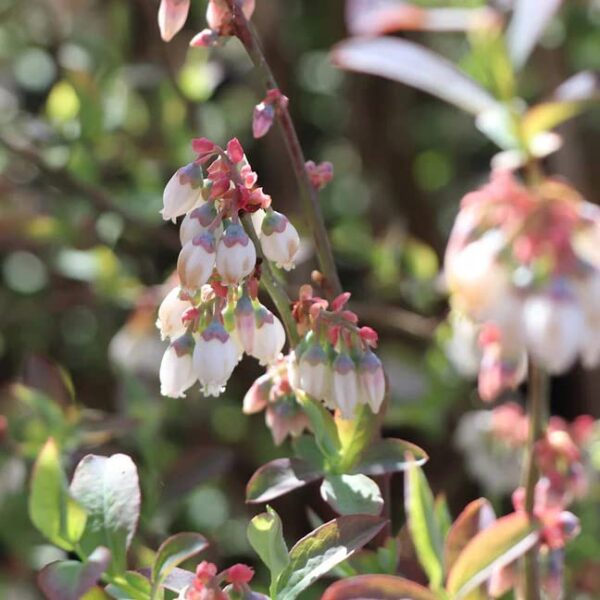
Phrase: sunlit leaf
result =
(324, 548)
(355, 436)
(390, 456)
(477, 516)
(279, 477)
(352, 494)
(71, 579)
(416, 66)
(494, 547)
(422, 522)
(442, 514)
(175, 550)
(547, 115)
(529, 20)
(130, 586)
(377, 587)
(109, 490)
(324, 428)
(51, 509)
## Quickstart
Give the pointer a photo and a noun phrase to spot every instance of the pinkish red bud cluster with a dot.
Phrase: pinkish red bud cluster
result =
(265, 112)
(319, 174)
(207, 583)
(525, 263)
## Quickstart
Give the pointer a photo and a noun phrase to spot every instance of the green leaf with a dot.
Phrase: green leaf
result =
(323, 549)
(423, 526)
(442, 514)
(109, 490)
(51, 509)
(130, 586)
(265, 534)
(477, 516)
(414, 65)
(307, 450)
(175, 550)
(279, 477)
(494, 547)
(390, 456)
(352, 494)
(355, 436)
(71, 579)
(377, 587)
(323, 426)
(548, 115)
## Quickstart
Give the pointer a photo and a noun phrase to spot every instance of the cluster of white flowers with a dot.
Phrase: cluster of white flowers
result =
(525, 264)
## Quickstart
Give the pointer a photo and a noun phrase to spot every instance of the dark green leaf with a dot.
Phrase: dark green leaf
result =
(279, 477)
(352, 494)
(390, 456)
(377, 587)
(175, 550)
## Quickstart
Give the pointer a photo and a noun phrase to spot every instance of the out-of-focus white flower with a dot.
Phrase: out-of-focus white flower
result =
(196, 261)
(462, 349)
(315, 372)
(269, 337)
(344, 388)
(176, 369)
(372, 380)
(198, 221)
(257, 397)
(554, 328)
(182, 192)
(293, 370)
(236, 255)
(215, 356)
(170, 312)
(279, 240)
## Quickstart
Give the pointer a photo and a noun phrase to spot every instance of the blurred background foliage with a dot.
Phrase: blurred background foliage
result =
(96, 112)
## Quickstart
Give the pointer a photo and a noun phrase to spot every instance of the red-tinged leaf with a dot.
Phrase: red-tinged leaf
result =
(390, 456)
(374, 17)
(71, 579)
(279, 477)
(377, 587)
(495, 547)
(172, 15)
(529, 20)
(414, 65)
(477, 516)
(323, 549)
(175, 550)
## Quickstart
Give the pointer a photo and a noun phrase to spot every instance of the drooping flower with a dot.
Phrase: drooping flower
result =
(245, 322)
(372, 380)
(215, 357)
(198, 221)
(170, 313)
(269, 337)
(315, 372)
(236, 255)
(345, 386)
(177, 372)
(196, 261)
(183, 192)
(279, 240)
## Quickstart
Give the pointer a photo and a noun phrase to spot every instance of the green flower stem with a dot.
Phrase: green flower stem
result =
(247, 34)
(538, 415)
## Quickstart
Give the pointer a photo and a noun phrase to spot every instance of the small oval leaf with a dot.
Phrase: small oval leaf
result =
(265, 534)
(390, 456)
(377, 587)
(175, 550)
(352, 494)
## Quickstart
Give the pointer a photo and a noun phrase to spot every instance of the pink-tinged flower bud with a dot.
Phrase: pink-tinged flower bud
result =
(198, 221)
(218, 13)
(554, 328)
(344, 389)
(215, 357)
(176, 368)
(182, 192)
(172, 15)
(269, 337)
(170, 313)
(257, 397)
(240, 574)
(372, 380)
(262, 119)
(279, 240)
(196, 261)
(245, 323)
(236, 255)
(207, 38)
(315, 373)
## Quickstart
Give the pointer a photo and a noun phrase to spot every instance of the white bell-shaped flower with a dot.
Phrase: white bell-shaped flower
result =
(170, 312)
(198, 221)
(315, 372)
(372, 380)
(245, 323)
(293, 370)
(177, 372)
(345, 386)
(236, 255)
(269, 337)
(554, 328)
(196, 261)
(183, 192)
(279, 240)
(215, 356)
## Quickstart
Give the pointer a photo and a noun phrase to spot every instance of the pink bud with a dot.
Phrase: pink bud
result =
(176, 373)
(240, 574)
(236, 255)
(205, 571)
(345, 386)
(218, 14)
(235, 151)
(196, 262)
(182, 192)
(257, 397)
(170, 315)
(262, 119)
(172, 15)
(279, 240)
(203, 146)
(207, 38)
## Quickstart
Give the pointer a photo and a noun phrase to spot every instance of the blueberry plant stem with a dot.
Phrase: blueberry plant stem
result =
(538, 414)
(248, 36)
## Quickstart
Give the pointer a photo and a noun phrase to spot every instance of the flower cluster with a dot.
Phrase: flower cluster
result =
(214, 315)
(207, 583)
(274, 393)
(336, 363)
(523, 263)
